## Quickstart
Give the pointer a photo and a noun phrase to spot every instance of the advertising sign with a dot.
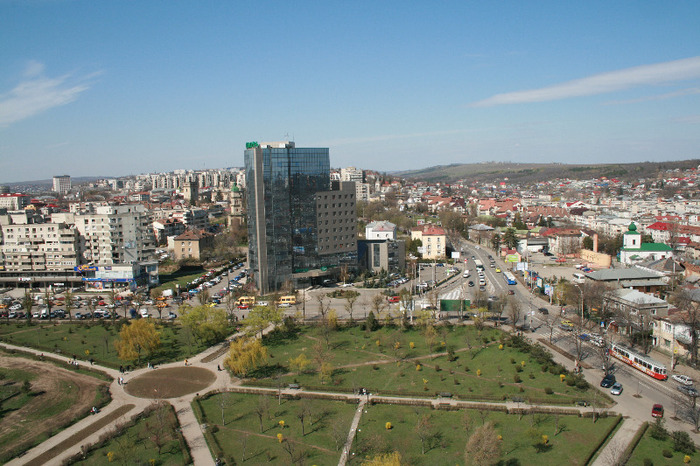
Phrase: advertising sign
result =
(511, 258)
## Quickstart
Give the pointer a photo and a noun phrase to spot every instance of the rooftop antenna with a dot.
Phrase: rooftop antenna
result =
(286, 136)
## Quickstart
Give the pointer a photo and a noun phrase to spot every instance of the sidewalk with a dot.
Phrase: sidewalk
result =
(610, 455)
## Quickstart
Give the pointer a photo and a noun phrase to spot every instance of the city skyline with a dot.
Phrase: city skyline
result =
(125, 88)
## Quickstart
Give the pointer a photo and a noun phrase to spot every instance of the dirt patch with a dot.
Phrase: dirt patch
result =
(171, 382)
(55, 386)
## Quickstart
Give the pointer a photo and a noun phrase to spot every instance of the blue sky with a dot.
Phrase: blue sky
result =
(115, 88)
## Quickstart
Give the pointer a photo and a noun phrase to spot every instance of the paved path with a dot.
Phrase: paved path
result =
(611, 454)
(351, 434)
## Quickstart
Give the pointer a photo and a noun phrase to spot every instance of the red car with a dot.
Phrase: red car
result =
(657, 411)
(242, 306)
(393, 299)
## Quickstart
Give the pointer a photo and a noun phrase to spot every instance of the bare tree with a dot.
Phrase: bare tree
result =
(224, 401)
(689, 306)
(303, 412)
(350, 298)
(261, 409)
(514, 311)
(483, 446)
(324, 304)
(378, 305)
(550, 322)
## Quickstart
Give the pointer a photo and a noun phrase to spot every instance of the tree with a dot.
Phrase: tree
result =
(372, 323)
(136, 337)
(303, 412)
(160, 428)
(48, 300)
(510, 239)
(378, 304)
(69, 304)
(245, 355)
(587, 243)
(325, 372)
(496, 241)
(514, 311)
(350, 298)
(260, 317)
(27, 303)
(207, 324)
(203, 297)
(261, 409)
(424, 430)
(483, 447)
(690, 316)
(299, 363)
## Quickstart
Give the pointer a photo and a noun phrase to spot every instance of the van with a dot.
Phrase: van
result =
(286, 301)
(579, 277)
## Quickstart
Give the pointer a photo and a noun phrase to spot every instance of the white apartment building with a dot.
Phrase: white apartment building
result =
(39, 247)
(380, 230)
(116, 235)
(61, 184)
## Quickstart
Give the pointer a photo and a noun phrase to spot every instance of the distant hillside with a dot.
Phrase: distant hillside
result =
(74, 181)
(534, 172)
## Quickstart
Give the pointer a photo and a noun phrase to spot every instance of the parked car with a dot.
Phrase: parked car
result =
(393, 299)
(616, 389)
(657, 410)
(684, 379)
(543, 310)
(688, 390)
(608, 381)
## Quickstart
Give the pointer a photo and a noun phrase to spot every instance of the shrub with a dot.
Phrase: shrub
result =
(648, 462)
(518, 369)
(682, 442)
(657, 430)
(516, 378)
(548, 390)
(437, 368)
(667, 453)
(388, 426)
(512, 360)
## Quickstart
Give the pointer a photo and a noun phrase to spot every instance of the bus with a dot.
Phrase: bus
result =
(286, 301)
(245, 301)
(478, 264)
(639, 361)
(509, 277)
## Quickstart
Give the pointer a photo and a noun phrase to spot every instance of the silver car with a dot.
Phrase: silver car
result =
(616, 389)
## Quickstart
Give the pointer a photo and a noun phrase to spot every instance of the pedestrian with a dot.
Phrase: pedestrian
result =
(92, 362)
(218, 368)
(121, 369)
(185, 362)
(119, 380)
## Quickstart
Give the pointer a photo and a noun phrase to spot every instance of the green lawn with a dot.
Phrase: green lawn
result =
(651, 448)
(444, 435)
(238, 433)
(95, 340)
(481, 368)
(181, 277)
(138, 443)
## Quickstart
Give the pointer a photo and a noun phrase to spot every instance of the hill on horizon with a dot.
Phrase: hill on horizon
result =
(534, 172)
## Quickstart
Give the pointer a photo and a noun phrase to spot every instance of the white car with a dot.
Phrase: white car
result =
(684, 379)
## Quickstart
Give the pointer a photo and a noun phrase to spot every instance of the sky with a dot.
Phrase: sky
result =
(112, 88)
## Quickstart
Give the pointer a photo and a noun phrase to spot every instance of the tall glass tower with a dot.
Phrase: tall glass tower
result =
(282, 182)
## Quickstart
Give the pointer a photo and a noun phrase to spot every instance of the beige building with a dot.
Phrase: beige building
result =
(190, 244)
(434, 241)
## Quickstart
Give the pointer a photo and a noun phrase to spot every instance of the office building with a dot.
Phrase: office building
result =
(61, 184)
(300, 228)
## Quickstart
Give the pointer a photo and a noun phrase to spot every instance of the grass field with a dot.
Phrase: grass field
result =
(239, 437)
(95, 340)
(390, 361)
(179, 277)
(652, 449)
(139, 443)
(444, 435)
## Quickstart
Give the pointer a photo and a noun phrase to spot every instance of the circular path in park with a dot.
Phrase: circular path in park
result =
(171, 382)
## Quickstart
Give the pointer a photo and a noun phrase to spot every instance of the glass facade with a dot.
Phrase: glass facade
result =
(281, 186)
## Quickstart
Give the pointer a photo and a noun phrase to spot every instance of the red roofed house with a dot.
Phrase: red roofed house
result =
(433, 238)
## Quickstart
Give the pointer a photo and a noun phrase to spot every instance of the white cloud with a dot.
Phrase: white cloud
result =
(645, 75)
(669, 95)
(37, 94)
